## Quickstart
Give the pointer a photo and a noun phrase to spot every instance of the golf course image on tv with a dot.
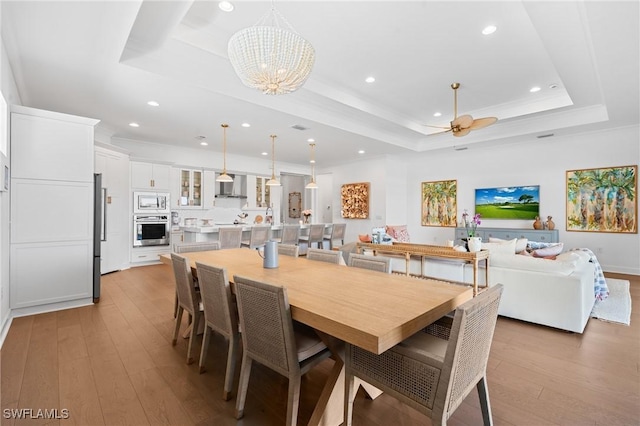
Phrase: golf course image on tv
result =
(509, 202)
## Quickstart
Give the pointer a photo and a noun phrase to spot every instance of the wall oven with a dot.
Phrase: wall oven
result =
(151, 202)
(151, 230)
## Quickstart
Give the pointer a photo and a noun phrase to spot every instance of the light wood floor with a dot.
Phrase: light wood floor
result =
(113, 364)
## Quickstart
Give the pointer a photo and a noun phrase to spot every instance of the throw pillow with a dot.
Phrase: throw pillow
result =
(364, 238)
(552, 250)
(521, 243)
(398, 233)
(505, 247)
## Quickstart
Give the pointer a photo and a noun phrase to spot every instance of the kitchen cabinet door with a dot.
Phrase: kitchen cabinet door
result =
(149, 176)
(187, 188)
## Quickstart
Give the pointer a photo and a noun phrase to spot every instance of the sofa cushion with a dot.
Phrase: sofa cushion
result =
(505, 247)
(398, 233)
(564, 266)
(521, 243)
(552, 250)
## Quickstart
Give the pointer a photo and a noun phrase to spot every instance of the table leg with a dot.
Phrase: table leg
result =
(475, 278)
(329, 410)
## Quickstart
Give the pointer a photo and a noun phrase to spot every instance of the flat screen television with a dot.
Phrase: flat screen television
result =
(508, 202)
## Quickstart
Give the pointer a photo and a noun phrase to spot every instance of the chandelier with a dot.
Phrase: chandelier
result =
(273, 181)
(312, 184)
(224, 177)
(271, 56)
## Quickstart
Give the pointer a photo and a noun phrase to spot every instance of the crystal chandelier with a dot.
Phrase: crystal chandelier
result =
(273, 181)
(271, 56)
(312, 184)
(224, 177)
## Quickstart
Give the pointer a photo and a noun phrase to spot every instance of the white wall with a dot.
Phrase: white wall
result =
(541, 162)
(12, 97)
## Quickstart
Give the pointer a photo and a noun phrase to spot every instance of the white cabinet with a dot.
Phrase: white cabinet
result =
(209, 189)
(114, 167)
(51, 235)
(149, 176)
(187, 186)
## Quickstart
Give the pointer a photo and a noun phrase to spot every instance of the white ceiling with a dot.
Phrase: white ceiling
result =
(105, 60)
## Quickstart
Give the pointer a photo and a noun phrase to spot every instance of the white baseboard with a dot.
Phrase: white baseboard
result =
(5, 329)
(41, 309)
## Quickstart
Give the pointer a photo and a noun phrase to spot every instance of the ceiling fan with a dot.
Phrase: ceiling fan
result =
(461, 126)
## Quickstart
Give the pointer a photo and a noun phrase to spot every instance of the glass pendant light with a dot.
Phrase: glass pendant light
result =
(312, 184)
(273, 181)
(224, 177)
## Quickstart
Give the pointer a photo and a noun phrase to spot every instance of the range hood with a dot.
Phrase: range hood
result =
(228, 189)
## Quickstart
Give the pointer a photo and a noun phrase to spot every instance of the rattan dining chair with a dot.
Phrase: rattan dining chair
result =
(189, 248)
(337, 233)
(433, 371)
(270, 338)
(329, 256)
(221, 316)
(188, 300)
(288, 250)
(230, 237)
(258, 237)
(290, 235)
(316, 233)
(374, 263)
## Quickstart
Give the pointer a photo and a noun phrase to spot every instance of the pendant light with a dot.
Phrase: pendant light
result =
(312, 184)
(273, 181)
(224, 177)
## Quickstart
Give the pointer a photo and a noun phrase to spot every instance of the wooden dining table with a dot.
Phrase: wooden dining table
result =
(370, 309)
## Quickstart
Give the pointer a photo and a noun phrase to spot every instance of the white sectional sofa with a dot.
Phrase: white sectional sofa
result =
(557, 293)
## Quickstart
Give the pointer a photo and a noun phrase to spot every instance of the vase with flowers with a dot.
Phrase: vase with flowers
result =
(474, 242)
(307, 215)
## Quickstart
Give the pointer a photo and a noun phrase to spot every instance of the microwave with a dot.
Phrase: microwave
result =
(151, 202)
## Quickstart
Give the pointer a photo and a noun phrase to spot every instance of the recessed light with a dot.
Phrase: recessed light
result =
(225, 6)
(134, 125)
(246, 125)
(370, 79)
(311, 140)
(489, 29)
(437, 114)
(265, 153)
(204, 143)
(553, 86)
(153, 103)
(534, 89)
(361, 151)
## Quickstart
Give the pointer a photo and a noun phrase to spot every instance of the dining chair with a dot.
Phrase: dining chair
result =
(270, 338)
(188, 300)
(290, 235)
(288, 250)
(258, 237)
(221, 316)
(329, 256)
(434, 370)
(316, 232)
(230, 237)
(337, 233)
(188, 248)
(365, 261)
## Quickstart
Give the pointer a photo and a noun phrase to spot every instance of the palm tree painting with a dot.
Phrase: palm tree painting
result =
(439, 206)
(603, 200)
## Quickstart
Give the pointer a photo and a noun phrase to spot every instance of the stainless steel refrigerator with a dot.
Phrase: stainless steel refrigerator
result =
(99, 223)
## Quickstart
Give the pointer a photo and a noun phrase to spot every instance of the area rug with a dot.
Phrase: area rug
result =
(617, 307)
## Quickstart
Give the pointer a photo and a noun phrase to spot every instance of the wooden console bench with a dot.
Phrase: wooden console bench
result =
(408, 250)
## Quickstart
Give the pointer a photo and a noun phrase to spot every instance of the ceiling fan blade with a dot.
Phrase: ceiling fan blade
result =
(440, 132)
(437, 127)
(462, 122)
(479, 123)
(461, 132)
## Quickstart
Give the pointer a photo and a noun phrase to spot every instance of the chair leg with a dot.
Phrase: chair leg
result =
(205, 347)
(176, 330)
(485, 406)
(245, 372)
(192, 337)
(294, 400)
(231, 368)
(175, 306)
